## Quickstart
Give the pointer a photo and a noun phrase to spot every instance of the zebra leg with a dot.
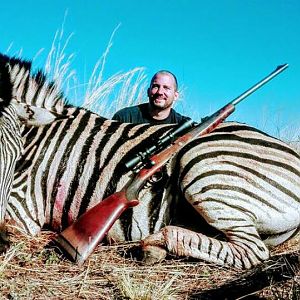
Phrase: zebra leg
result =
(242, 250)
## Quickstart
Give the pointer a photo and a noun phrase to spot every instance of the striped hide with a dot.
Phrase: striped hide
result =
(10, 147)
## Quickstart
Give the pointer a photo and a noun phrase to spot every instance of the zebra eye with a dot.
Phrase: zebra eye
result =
(155, 178)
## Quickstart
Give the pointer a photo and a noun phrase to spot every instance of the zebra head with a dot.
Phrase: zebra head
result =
(16, 109)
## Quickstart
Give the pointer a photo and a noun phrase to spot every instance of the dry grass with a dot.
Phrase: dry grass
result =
(101, 94)
(289, 290)
(105, 96)
(30, 271)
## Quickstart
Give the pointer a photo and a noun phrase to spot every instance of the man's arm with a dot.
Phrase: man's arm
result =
(117, 117)
(122, 115)
(129, 114)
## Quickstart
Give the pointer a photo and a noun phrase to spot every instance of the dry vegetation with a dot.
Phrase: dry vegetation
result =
(29, 270)
(101, 94)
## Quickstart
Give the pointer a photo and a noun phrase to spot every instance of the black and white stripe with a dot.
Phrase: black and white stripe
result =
(10, 150)
(23, 98)
(10, 140)
(240, 181)
(245, 184)
(71, 165)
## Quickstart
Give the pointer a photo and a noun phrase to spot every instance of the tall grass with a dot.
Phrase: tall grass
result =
(99, 94)
(58, 63)
(291, 135)
(104, 96)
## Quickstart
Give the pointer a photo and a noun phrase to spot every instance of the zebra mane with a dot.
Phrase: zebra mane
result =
(27, 88)
(5, 88)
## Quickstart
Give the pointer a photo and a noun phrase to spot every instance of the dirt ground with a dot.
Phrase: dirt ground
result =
(29, 270)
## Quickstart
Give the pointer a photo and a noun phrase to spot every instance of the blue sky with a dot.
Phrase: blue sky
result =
(217, 49)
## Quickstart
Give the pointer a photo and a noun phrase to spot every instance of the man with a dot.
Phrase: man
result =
(162, 93)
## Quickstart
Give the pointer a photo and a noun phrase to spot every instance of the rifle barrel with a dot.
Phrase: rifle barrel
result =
(278, 70)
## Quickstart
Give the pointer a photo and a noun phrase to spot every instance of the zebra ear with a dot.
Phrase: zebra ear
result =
(35, 116)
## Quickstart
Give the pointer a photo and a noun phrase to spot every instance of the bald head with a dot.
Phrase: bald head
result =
(165, 72)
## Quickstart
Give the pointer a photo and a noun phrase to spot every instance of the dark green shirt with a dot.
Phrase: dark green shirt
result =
(139, 114)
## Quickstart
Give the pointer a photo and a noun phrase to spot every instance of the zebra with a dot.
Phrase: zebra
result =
(12, 113)
(224, 198)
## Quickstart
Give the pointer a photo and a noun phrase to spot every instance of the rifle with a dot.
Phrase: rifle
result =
(80, 239)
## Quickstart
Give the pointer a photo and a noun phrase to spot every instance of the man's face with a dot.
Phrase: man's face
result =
(162, 92)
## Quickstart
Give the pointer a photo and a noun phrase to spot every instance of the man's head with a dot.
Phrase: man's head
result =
(163, 90)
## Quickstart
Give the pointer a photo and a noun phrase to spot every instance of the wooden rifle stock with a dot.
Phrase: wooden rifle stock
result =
(80, 239)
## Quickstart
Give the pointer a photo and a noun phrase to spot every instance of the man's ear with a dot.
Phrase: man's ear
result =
(176, 95)
(148, 92)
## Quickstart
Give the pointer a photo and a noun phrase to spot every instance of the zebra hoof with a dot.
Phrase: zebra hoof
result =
(153, 254)
(153, 248)
(4, 240)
